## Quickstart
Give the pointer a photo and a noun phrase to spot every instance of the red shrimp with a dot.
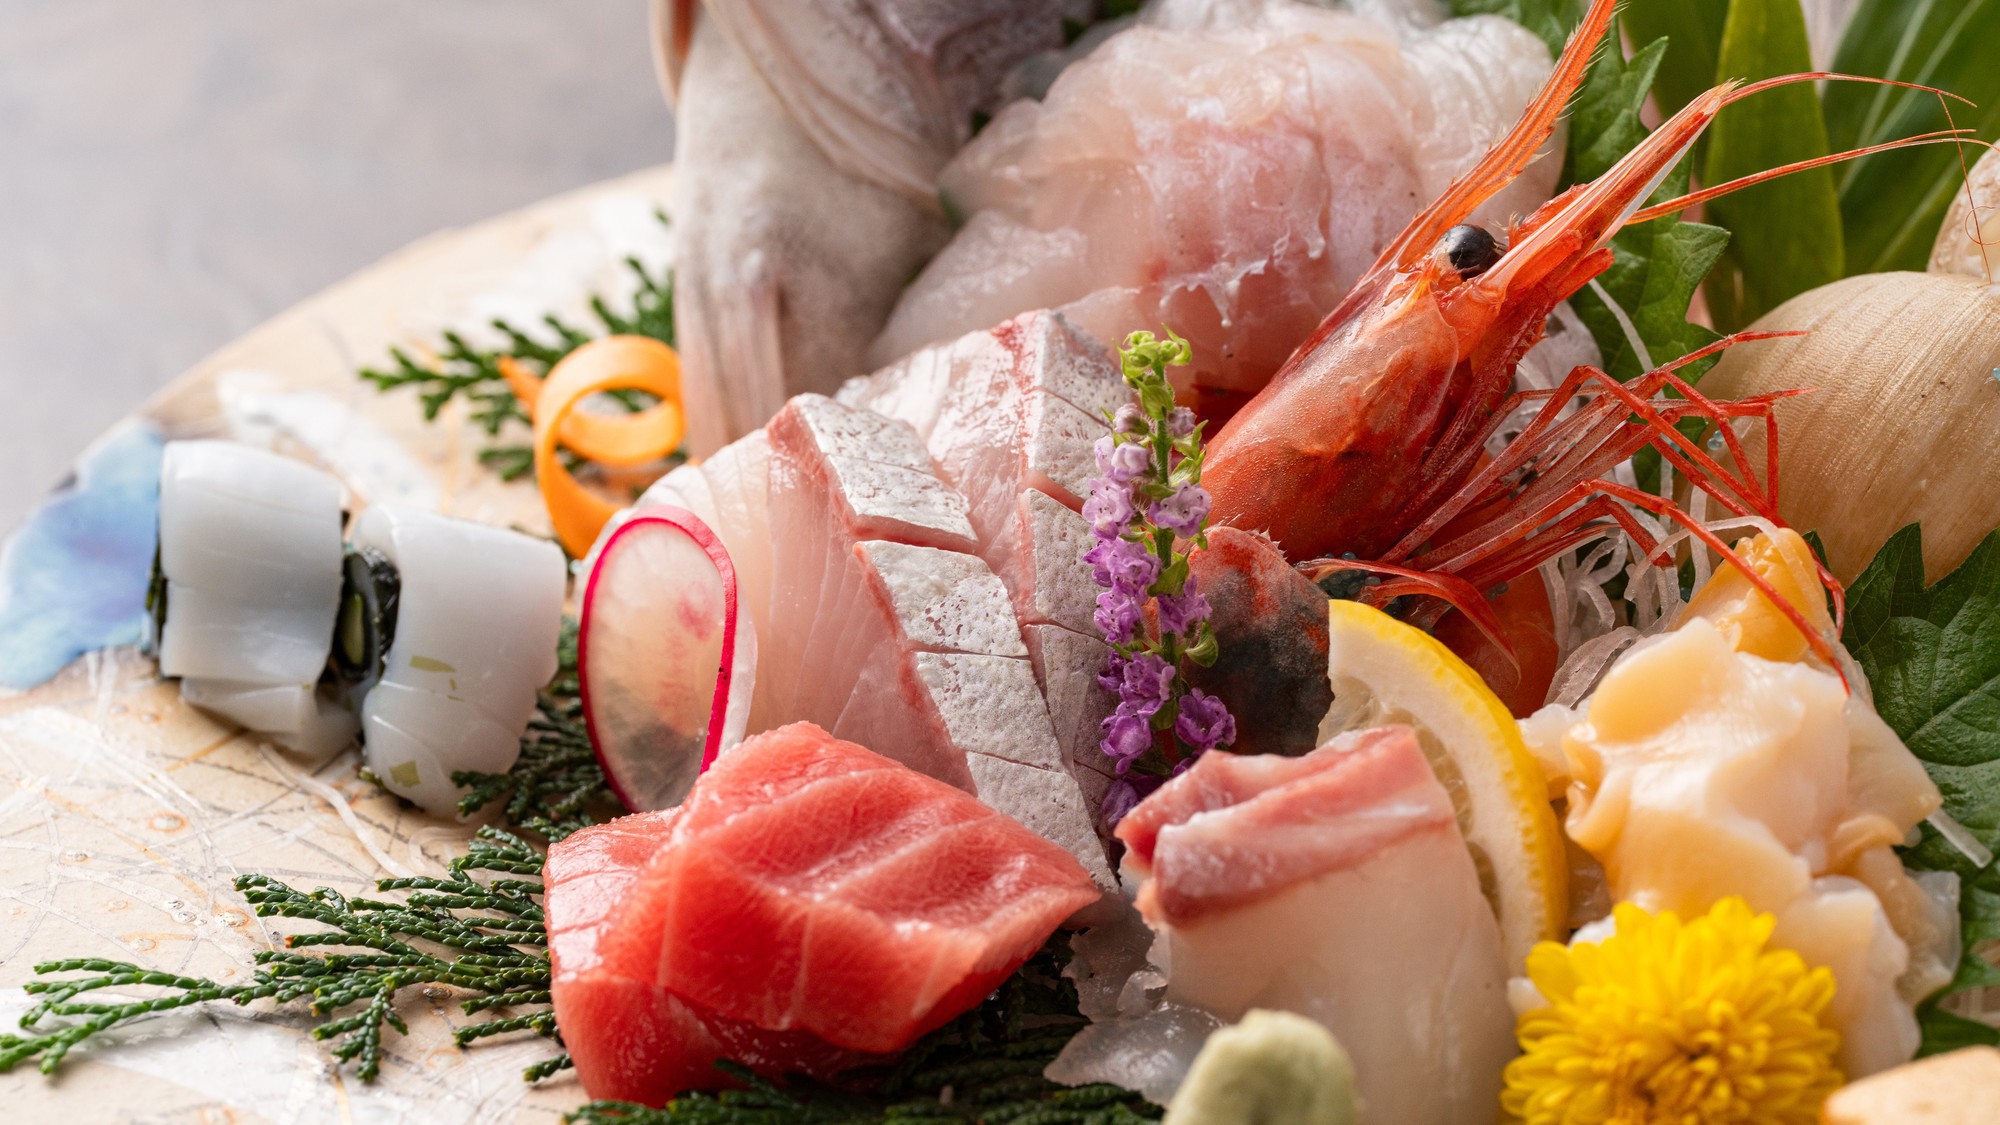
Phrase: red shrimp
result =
(1365, 450)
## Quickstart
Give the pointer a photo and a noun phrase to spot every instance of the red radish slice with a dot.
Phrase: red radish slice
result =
(666, 660)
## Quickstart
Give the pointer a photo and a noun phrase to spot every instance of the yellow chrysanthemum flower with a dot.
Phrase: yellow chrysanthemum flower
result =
(1672, 1023)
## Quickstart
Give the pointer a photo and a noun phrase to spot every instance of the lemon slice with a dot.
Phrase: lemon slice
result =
(1384, 671)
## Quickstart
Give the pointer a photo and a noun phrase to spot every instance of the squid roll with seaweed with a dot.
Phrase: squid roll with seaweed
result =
(449, 628)
(245, 591)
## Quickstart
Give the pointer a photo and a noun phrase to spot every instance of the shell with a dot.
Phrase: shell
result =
(1968, 247)
(1903, 418)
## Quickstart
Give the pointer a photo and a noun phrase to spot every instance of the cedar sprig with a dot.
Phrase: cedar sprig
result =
(479, 930)
(458, 369)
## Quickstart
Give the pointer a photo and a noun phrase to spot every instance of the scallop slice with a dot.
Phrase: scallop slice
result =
(667, 656)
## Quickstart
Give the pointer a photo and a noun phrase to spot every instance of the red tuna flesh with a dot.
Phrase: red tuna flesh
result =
(631, 1038)
(812, 901)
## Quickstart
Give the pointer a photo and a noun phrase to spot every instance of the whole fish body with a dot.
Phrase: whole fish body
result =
(809, 138)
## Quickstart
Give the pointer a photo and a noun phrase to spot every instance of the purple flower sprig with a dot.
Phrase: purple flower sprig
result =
(1145, 505)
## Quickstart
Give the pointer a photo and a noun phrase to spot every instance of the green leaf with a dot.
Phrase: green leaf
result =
(1932, 657)
(1787, 229)
(1944, 1032)
(1694, 27)
(1550, 20)
(1891, 203)
(1604, 124)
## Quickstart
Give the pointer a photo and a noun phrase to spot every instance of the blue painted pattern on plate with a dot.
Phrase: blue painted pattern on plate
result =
(73, 578)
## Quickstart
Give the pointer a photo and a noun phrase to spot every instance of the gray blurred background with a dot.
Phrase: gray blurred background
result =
(174, 171)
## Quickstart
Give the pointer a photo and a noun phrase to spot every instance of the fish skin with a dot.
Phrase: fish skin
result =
(1271, 636)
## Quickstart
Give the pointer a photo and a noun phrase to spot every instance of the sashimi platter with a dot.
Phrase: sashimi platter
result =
(1075, 562)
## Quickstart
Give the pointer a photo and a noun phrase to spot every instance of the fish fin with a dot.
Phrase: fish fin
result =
(732, 351)
(672, 27)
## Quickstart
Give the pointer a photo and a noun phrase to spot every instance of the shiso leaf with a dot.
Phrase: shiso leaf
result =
(1932, 658)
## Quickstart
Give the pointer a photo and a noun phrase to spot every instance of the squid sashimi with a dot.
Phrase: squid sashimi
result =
(888, 630)
(810, 904)
(479, 613)
(248, 588)
(1334, 885)
(1229, 169)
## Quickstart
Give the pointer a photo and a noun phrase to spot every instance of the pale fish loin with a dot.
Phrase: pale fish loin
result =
(1011, 416)
(250, 547)
(1345, 871)
(1228, 169)
(888, 631)
(479, 619)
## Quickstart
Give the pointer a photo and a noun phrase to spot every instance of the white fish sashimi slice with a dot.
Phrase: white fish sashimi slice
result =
(888, 631)
(666, 658)
(1039, 556)
(1345, 872)
(1227, 169)
(838, 476)
(479, 615)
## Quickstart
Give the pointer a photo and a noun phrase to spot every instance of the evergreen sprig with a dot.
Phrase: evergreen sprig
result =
(478, 930)
(459, 369)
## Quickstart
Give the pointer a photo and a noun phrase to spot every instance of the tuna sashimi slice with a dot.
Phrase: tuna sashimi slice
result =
(813, 885)
(631, 1039)
(1343, 871)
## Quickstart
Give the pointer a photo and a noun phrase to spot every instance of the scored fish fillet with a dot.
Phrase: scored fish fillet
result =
(887, 629)
(1011, 415)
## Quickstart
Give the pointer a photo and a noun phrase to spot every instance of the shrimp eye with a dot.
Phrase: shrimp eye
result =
(1471, 250)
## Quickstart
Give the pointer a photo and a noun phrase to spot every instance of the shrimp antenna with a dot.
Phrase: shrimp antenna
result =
(1952, 135)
